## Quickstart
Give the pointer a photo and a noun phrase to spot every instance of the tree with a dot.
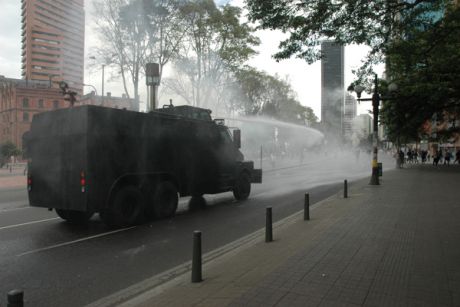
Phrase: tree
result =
(165, 29)
(122, 41)
(7, 150)
(262, 94)
(216, 43)
(372, 23)
(425, 66)
(251, 90)
(135, 32)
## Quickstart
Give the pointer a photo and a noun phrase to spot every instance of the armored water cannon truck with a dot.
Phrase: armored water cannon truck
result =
(128, 165)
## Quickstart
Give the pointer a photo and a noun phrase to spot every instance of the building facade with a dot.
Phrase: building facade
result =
(19, 101)
(332, 88)
(362, 125)
(349, 114)
(53, 36)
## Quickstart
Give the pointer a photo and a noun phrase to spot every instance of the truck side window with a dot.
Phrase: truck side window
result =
(225, 136)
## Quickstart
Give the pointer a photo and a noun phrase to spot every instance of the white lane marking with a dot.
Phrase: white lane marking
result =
(74, 241)
(14, 209)
(29, 223)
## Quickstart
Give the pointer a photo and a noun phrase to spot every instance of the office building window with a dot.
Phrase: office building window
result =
(25, 103)
(25, 117)
(40, 103)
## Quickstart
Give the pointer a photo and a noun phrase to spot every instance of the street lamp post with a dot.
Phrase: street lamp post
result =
(375, 104)
(152, 79)
(102, 94)
(376, 97)
(103, 79)
(90, 85)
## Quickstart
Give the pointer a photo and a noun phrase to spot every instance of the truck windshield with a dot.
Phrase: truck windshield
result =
(226, 136)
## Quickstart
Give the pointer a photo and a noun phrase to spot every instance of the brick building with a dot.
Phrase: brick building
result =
(19, 101)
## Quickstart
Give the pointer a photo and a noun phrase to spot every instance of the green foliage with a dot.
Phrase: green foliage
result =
(216, 43)
(7, 150)
(372, 23)
(262, 94)
(426, 67)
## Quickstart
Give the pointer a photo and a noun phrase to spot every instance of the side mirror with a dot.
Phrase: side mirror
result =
(237, 138)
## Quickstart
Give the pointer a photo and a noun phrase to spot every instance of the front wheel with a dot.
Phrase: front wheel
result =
(242, 187)
(74, 217)
(127, 208)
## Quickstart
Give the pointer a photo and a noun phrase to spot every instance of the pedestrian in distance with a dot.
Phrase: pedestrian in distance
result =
(415, 156)
(437, 157)
(409, 156)
(401, 158)
(447, 157)
(457, 157)
(423, 155)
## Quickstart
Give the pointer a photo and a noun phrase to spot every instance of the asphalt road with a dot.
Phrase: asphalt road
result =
(57, 264)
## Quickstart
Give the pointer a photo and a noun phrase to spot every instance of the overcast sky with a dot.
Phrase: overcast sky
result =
(305, 79)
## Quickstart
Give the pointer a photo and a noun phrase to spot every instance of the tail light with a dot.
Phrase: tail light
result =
(82, 181)
(29, 182)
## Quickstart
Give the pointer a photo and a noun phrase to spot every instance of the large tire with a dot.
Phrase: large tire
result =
(242, 187)
(165, 200)
(74, 217)
(127, 208)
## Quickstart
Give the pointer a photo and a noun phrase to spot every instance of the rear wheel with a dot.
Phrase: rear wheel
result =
(165, 200)
(127, 208)
(74, 217)
(242, 187)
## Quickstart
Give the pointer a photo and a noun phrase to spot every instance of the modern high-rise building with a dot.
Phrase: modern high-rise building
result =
(332, 88)
(349, 114)
(53, 36)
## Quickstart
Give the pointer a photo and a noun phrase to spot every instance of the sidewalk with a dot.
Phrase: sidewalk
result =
(397, 244)
(14, 179)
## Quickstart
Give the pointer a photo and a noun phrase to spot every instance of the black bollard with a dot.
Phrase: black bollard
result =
(306, 208)
(196, 260)
(345, 189)
(15, 298)
(268, 225)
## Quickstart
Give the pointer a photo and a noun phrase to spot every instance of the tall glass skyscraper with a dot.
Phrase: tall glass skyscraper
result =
(332, 88)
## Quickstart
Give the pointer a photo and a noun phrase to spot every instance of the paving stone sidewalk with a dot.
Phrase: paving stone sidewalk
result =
(397, 244)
